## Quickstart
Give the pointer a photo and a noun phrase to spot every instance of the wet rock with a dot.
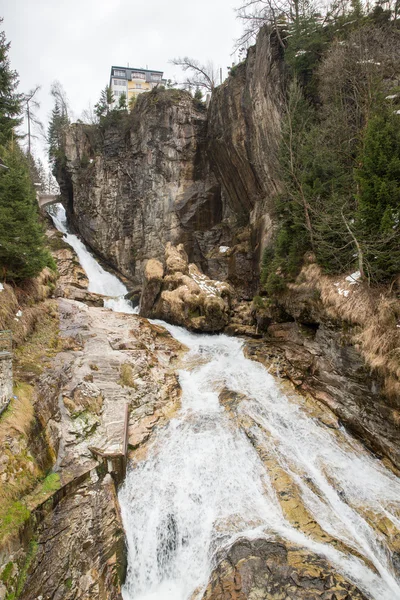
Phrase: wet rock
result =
(261, 569)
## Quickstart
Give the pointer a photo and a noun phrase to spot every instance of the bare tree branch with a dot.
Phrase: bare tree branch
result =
(201, 76)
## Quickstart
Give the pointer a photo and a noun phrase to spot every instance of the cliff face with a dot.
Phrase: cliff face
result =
(141, 182)
(169, 172)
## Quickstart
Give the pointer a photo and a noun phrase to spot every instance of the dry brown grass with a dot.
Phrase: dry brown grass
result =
(18, 417)
(374, 314)
(28, 298)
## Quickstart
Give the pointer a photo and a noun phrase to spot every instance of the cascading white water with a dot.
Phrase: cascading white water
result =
(203, 483)
(100, 281)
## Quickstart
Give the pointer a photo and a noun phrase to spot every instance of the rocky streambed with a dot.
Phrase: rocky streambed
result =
(237, 486)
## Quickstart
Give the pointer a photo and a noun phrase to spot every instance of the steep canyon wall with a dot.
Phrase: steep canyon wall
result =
(172, 171)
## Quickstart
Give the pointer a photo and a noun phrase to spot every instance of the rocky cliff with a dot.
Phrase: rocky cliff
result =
(172, 172)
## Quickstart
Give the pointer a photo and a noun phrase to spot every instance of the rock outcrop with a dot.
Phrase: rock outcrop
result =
(142, 180)
(172, 172)
(184, 295)
(276, 569)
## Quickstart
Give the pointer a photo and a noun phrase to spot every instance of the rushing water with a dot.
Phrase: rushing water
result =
(100, 280)
(203, 483)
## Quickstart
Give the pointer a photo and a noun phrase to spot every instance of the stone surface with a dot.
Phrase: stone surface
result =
(184, 296)
(79, 552)
(174, 172)
(148, 182)
(6, 378)
(276, 570)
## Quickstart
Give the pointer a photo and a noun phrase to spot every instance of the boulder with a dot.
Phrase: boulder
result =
(265, 568)
(184, 295)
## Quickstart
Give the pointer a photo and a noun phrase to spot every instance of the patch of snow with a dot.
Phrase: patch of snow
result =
(369, 61)
(396, 112)
(391, 97)
(354, 277)
(1, 287)
(19, 313)
(223, 249)
(344, 293)
(300, 53)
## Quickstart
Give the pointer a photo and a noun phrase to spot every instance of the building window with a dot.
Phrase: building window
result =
(119, 82)
(118, 73)
(136, 75)
(138, 86)
(156, 76)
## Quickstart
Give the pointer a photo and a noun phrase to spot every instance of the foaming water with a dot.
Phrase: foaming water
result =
(100, 281)
(203, 483)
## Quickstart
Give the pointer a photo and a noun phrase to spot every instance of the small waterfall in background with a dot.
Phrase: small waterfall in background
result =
(100, 280)
(203, 484)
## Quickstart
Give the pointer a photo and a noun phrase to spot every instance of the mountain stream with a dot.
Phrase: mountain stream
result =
(205, 481)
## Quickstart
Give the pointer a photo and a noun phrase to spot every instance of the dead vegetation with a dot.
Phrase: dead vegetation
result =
(372, 313)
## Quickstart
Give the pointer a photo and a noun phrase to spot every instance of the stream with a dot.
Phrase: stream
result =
(203, 483)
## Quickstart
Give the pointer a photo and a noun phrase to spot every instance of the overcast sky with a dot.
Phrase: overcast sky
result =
(77, 41)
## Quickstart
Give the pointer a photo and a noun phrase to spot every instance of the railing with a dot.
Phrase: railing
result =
(5, 341)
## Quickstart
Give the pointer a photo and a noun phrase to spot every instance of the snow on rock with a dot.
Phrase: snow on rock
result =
(223, 249)
(1, 287)
(354, 277)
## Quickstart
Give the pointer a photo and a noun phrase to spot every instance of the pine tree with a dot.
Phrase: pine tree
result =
(58, 120)
(10, 99)
(378, 216)
(103, 106)
(22, 251)
(122, 105)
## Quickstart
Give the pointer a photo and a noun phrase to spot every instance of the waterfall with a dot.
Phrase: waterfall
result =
(100, 280)
(203, 483)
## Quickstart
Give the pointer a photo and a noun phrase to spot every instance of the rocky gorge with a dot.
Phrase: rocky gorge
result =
(263, 461)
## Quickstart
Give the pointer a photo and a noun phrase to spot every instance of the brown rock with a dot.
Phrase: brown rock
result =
(262, 569)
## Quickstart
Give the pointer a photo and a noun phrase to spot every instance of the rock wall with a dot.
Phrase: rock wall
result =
(6, 378)
(142, 180)
(172, 172)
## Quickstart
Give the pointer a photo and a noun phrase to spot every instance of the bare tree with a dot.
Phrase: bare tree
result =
(280, 15)
(200, 75)
(31, 105)
(89, 116)
(60, 97)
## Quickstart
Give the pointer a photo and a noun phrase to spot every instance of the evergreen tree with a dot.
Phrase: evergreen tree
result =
(122, 105)
(22, 251)
(10, 99)
(103, 106)
(378, 177)
(58, 120)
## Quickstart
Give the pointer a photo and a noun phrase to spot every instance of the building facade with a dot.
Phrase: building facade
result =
(132, 82)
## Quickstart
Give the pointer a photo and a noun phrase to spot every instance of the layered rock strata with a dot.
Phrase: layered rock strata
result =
(276, 569)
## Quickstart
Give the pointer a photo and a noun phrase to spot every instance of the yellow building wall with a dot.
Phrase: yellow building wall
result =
(134, 91)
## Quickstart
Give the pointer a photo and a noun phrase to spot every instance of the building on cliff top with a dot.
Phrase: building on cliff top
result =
(132, 82)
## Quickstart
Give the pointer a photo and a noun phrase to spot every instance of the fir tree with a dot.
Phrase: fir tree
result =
(122, 105)
(103, 106)
(10, 99)
(22, 251)
(378, 177)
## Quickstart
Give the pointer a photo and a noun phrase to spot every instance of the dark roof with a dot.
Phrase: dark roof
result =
(136, 69)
